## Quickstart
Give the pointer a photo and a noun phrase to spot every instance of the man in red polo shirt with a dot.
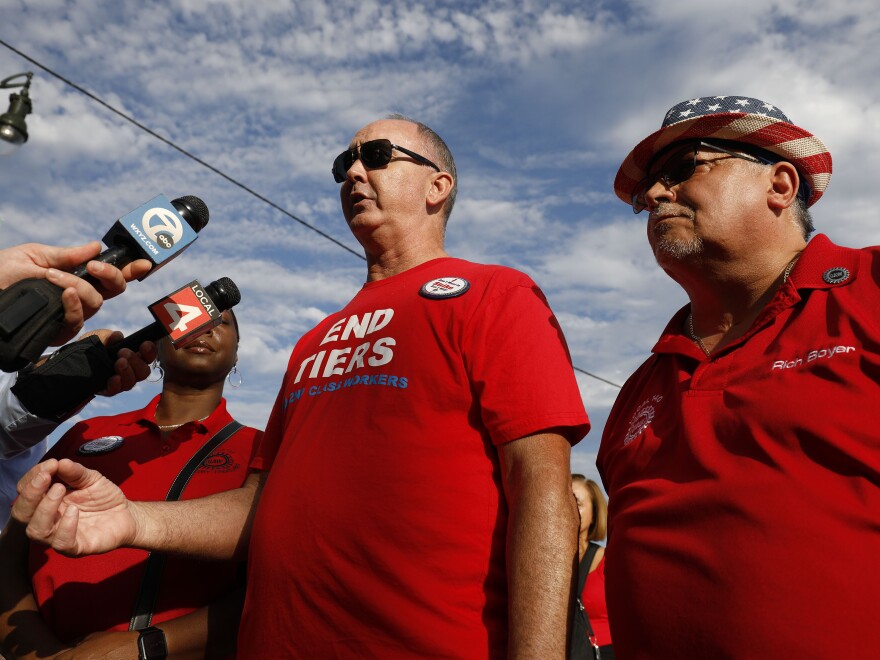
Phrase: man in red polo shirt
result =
(741, 459)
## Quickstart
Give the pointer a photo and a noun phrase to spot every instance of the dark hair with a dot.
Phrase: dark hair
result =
(802, 217)
(441, 153)
(599, 526)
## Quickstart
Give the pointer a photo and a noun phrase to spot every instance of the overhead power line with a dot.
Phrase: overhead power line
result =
(229, 178)
(584, 371)
(186, 153)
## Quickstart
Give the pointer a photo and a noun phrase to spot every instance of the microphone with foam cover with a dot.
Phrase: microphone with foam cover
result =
(31, 311)
(76, 372)
(185, 314)
(157, 231)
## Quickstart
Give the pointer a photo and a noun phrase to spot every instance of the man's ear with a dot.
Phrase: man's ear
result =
(439, 190)
(783, 188)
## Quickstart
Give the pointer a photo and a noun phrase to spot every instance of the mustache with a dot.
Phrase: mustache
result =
(665, 209)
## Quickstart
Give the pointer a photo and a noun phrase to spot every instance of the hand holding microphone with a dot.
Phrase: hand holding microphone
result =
(41, 310)
(75, 373)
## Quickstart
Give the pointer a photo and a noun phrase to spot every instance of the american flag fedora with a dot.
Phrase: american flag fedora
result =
(737, 118)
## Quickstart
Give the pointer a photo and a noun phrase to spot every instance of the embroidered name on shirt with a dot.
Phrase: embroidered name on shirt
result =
(813, 356)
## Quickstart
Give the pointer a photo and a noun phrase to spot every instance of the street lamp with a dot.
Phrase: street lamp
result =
(13, 130)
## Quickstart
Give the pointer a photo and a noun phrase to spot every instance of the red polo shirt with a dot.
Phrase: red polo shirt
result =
(88, 594)
(744, 500)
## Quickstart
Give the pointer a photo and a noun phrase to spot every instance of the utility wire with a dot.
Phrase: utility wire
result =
(584, 371)
(183, 151)
(217, 171)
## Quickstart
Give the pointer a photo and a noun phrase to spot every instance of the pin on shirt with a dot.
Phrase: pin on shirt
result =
(444, 287)
(835, 275)
(101, 446)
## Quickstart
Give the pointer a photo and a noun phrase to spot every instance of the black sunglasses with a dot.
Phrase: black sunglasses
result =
(373, 154)
(680, 166)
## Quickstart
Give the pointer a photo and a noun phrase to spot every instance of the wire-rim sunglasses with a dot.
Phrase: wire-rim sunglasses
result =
(677, 168)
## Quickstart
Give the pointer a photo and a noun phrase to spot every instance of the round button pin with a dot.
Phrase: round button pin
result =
(445, 287)
(836, 275)
(100, 446)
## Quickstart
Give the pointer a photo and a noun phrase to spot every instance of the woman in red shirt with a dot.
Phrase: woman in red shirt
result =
(593, 510)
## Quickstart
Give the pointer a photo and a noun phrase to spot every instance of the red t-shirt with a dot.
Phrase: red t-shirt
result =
(97, 593)
(381, 528)
(593, 598)
(743, 488)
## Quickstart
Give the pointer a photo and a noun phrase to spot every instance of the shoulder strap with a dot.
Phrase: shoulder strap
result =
(583, 573)
(192, 465)
(146, 600)
(584, 566)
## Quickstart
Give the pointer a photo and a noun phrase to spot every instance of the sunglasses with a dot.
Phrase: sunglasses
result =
(373, 154)
(680, 166)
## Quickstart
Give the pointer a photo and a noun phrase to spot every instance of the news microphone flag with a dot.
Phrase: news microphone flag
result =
(185, 314)
(31, 311)
(157, 230)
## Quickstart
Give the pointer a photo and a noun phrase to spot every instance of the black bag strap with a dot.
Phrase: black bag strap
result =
(582, 643)
(146, 600)
(584, 566)
(583, 572)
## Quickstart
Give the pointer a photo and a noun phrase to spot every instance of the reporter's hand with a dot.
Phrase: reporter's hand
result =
(82, 513)
(80, 298)
(131, 366)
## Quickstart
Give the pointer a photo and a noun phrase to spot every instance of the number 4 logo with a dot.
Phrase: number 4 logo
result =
(181, 315)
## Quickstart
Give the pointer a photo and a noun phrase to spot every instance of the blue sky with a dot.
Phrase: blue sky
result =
(539, 102)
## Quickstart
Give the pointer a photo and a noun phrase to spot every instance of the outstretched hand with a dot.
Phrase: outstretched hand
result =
(75, 510)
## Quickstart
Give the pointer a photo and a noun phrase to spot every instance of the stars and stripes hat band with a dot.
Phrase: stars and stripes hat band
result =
(737, 118)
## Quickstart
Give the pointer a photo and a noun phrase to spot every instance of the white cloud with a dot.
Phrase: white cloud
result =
(539, 100)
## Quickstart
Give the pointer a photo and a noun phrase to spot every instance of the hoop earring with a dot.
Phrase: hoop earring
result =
(234, 376)
(157, 373)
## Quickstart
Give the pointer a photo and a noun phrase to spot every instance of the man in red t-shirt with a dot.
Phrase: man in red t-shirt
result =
(741, 459)
(417, 502)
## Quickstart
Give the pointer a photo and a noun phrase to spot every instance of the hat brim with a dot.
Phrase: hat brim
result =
(802, 149)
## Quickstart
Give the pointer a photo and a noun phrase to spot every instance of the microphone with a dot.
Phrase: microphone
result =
(155, 231)
(183, 315)
(31, 311)
(76, 372)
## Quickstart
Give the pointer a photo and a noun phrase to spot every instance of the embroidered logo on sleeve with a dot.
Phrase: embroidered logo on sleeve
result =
(642, 418)
(444, 287)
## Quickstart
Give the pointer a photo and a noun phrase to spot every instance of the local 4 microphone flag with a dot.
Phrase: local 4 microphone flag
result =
(186, 313)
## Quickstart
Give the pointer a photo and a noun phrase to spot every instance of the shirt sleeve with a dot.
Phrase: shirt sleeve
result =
(269, 442)
(518, 363)
(19, 429)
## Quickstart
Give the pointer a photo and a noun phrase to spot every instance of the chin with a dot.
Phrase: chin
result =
(677, 249)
